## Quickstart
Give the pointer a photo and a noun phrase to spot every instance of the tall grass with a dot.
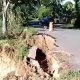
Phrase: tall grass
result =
(14, 24)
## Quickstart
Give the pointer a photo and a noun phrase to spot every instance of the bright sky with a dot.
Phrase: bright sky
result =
(67, 1)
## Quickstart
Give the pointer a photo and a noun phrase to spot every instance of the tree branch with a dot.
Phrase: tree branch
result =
(7, 5)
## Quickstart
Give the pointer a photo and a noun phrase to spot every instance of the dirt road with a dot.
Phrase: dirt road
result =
(69, 41)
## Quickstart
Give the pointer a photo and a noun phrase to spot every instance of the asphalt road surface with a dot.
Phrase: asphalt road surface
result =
(69, 41)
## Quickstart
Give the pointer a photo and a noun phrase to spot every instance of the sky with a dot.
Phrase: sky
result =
(67, 1)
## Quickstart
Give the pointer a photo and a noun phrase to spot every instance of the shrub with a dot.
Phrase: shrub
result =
(14, 25)
(22, 51)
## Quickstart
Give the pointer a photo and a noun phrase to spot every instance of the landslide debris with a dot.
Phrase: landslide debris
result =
(41, 61)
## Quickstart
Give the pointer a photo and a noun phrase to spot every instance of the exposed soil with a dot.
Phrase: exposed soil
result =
(42, 63)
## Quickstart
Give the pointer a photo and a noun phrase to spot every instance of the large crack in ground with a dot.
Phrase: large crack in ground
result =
(41, 58)
(42, 62)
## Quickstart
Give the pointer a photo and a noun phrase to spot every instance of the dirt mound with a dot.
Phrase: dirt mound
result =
(42, 67)
(42, 63)
(30, 73)
(43, 41)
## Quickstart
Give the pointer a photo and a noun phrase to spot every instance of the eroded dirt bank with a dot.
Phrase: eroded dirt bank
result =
(43, 61)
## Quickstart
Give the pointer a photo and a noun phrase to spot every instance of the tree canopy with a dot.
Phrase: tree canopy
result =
(27, 10)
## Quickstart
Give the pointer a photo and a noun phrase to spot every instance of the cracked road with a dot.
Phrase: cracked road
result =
(69, 41)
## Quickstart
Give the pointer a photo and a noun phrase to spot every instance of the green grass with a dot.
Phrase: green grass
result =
(18, 44)
(70, 75)
(21, 51)
(20, 48)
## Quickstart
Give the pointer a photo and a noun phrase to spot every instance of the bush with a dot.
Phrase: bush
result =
(22, 51)
(14, 25)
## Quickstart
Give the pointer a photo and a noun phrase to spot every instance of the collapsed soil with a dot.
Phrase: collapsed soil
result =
(45, 66)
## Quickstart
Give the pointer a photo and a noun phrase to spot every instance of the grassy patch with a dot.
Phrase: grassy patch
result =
(70, 75)
(20, 47)
(21, 51)
(31, 31)
(28, 33)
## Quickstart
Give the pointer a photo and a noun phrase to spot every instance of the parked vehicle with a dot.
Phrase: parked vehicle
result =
(45, 22)
(40, 23)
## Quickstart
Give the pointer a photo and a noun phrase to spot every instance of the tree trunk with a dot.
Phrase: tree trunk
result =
(4, 28)
(5, 7)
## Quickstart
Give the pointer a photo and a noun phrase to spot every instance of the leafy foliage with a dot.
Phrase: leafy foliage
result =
(44, 12)
(0, 5)
(19, 12)
(14, 24)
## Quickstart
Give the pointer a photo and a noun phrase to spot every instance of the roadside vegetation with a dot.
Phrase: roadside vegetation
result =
(70, 75)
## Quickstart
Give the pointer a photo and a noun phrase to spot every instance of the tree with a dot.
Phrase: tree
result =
(0, 5)
(54, 6)
(44, 11)
(77, 7)
(68, 9)
(77, 22)
(28, 3)
(5, 7)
